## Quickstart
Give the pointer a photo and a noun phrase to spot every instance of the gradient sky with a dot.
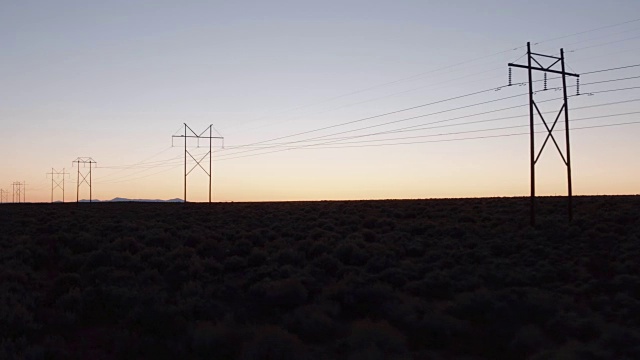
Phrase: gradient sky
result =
(113, 80)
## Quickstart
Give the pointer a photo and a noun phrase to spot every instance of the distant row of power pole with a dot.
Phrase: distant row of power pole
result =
(18, 193)
(57, 182)
(83, 177)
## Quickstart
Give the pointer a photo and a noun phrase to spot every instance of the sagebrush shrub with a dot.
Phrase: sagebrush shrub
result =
(311, 324)
(368, 338)
(287, 292)
(272, 342)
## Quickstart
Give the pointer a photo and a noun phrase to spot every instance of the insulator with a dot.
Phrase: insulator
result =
(545, 81)
(577, 86)
(509, 76)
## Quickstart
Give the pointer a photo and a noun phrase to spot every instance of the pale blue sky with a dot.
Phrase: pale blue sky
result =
(115, 79)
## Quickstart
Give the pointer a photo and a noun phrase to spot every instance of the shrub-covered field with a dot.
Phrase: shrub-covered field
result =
(397, 279)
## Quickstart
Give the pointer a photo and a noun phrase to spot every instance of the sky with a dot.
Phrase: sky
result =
(301, 92)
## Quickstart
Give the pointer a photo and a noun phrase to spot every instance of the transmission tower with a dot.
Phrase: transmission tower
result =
(84, 161)
(4, 196)
(56, 182)
(198, 163)
(19, 191)
(534, 57)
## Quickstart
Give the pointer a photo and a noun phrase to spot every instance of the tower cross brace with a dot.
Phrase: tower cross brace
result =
(57, 183)
(19, 191)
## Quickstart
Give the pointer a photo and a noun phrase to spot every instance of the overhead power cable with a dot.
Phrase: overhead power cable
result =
(465, 138)
(588, 31)
(611, 69)
(422, 127)
(411, 77)
(403, 110)
(155, 164)
(320, 146)
(409, 118)
(481, 137)
(142, 177)
(124, 167)
(172, 163)
(603, 44)
(360, 145)
(330, 145)
(238, 155)
(175, 160)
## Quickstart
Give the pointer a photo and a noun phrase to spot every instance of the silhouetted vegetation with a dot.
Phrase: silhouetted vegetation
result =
(425, 279)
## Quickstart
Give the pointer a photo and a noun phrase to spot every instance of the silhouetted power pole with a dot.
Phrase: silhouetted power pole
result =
(4, 196)
(198, 163)
(19, 191)
(56, 182)
(84, 161)
(533, 58)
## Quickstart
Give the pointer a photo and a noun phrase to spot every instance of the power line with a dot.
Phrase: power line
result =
(407, 109)
(375, 116)
(319, 146)
(415, 89)
(588, 31)
(405, 119)
(342, 141)
(169, 162)
(341, 146)
(611, 69)
(607, 54)
(394, 81)
(475, 137)
(175, 166)
(603, 44)
(155, 164)
(172, 163)
(589, 40)
(411, 77)
(411, 90)
(127, 167)
(389, 95)
(602, 37)
(237, 155)
(418, 128)
(347, 144)
(421, 127)
(124, 167)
